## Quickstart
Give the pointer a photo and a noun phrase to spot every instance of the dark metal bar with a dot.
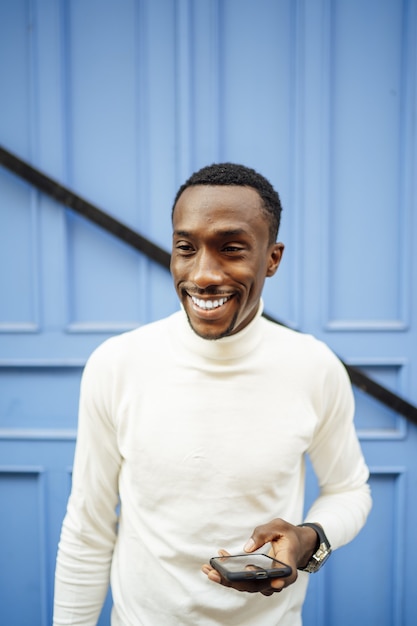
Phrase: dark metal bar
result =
(75, 202)
(78, 204)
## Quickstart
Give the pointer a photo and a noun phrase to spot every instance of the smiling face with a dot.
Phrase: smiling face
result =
(221, 256)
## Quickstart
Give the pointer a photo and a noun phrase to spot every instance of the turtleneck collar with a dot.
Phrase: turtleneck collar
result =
(231, 347)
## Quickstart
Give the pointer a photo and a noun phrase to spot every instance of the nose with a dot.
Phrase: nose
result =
(206, 270)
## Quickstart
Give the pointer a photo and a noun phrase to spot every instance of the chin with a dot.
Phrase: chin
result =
(211, 332)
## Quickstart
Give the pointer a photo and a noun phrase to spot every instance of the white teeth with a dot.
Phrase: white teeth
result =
(208, 304)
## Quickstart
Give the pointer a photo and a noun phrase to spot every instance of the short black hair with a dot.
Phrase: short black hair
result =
(239, 175)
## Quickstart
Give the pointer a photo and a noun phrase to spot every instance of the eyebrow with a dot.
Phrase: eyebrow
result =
(232, 232)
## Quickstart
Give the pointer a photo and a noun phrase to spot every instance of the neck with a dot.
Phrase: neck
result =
(225, 348)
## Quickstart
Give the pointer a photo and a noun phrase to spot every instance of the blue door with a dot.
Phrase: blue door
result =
(121, 101)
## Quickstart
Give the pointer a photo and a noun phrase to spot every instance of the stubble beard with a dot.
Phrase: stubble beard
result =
(210, 337)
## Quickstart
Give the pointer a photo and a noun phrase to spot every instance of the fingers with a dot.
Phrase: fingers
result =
(271, 592)
(222, 552)
(210, 572)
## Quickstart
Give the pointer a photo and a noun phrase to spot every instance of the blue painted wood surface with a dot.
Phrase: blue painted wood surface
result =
(121, 101)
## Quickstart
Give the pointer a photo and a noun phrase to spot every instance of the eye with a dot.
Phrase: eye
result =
(233, 249)
(183, 246)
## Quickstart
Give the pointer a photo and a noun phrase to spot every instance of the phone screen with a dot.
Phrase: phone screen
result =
(249, 566)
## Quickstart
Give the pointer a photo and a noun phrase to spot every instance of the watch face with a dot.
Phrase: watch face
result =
(318, 559)
(323, 551)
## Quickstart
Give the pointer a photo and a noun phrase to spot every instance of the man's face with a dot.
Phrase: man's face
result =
(221, 255)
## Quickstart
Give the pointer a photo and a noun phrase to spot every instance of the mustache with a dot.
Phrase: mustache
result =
(207, 291)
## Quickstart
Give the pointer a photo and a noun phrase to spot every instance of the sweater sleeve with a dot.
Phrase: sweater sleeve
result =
(344, 500)
(89, 528)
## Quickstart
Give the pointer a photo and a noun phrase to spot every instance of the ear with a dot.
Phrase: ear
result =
(275, 255)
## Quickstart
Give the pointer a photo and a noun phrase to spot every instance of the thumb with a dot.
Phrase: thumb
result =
(252, 545)
(272, 531)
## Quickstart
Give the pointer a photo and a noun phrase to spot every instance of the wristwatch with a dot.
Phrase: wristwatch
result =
(322, 553)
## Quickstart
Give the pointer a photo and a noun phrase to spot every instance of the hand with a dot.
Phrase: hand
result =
(250, 586)
(290, 544)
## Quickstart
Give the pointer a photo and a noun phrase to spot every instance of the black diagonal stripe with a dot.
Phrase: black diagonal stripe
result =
(67, 197)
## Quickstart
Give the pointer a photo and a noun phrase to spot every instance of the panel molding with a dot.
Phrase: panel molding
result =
(19, 327)
(22, 434)
(365, 325)
(22, 469)
(184, 88)
(42, 363)
(81, 328)
(399, 430)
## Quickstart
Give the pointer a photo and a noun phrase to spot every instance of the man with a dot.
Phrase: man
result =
(198, 425)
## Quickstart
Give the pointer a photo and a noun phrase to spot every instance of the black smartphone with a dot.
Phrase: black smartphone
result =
(249, 567)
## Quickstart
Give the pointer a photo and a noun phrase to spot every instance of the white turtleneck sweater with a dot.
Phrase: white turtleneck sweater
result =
(201, 441)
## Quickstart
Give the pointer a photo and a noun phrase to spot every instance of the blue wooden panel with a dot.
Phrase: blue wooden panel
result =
(51, 96)
(161, 109)
(22, 540)
(104, 287)
(32, 397)
(257, 56)
(35, 480)
(19, 280)
(379, 601)
(371, 565)
(368, 151)
(100, 61)
(372, 420)
(99, 145)
(127, 123)
(199, 87)
(16, 48)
